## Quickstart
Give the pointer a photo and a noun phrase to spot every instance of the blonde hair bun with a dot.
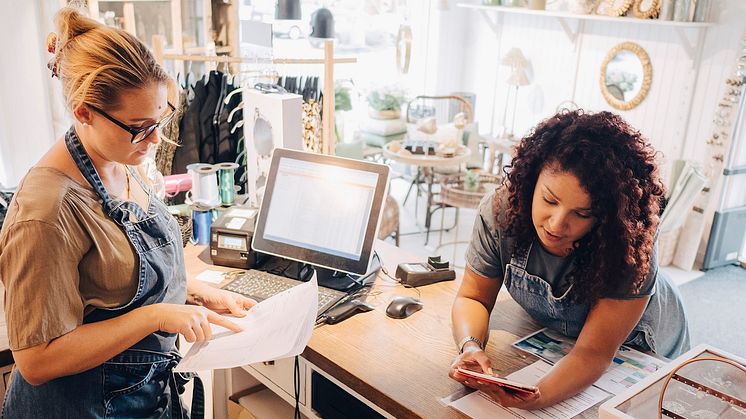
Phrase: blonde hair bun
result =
(96, 63)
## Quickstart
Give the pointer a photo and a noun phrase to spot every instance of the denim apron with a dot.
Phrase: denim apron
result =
(139, 382)
(662, 328)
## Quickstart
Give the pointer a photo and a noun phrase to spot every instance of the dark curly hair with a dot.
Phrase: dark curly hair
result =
(616, 166)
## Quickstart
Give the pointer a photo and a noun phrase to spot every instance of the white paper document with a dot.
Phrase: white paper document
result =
(479, 405)
(628, 367)
(278, 327)
(211, 276)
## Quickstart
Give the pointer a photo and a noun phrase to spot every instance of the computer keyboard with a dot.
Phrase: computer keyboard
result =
(261, 285)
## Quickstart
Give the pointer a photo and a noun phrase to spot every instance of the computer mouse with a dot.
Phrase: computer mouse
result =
(402, 307)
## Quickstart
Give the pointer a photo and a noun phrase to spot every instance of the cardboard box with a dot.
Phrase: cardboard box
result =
(235, 410)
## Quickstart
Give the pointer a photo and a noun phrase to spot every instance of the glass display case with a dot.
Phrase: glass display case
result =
(704, 389)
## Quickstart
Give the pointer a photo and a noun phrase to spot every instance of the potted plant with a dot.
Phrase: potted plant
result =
(471, 181)
(385, 103)
(342, 105)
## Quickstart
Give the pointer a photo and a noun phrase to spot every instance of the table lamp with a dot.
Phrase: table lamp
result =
(518, 77)
(287, 10)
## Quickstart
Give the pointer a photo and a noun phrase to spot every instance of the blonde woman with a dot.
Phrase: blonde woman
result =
(92, 262)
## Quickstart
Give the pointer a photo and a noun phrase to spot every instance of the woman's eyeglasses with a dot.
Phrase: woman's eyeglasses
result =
(138, 133)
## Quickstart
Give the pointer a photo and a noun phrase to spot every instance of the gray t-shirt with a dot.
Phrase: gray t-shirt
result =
(490, 250)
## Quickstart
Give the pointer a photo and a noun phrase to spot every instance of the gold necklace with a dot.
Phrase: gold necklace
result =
(127, 175)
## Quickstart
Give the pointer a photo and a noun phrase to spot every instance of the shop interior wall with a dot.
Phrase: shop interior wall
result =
(676, 115)
(25, 117)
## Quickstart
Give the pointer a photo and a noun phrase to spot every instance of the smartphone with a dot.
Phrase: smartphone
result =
(511, 385)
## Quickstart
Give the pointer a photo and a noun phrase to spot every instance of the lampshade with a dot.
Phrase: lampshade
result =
(322, 24)
(515, 59)
(287, 10)
(518, 77)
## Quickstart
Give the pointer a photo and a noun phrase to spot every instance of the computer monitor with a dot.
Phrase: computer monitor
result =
(322, 210)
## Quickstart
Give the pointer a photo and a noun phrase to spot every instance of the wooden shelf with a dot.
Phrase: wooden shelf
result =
(134, 1)
(601, 18)
(682, 28)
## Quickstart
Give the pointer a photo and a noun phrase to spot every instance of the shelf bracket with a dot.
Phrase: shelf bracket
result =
(493, 24)
(691, 47)
(572, 35)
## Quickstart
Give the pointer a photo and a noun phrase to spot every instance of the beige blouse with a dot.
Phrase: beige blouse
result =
(60, 258)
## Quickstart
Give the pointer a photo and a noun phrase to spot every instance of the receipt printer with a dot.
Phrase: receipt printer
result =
(230, 238)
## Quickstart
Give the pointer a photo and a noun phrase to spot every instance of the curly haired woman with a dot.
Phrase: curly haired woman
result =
(572, 236)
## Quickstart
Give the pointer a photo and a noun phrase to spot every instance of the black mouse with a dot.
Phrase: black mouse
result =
(403, 307)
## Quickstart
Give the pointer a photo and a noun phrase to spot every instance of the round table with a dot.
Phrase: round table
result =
(426, 163)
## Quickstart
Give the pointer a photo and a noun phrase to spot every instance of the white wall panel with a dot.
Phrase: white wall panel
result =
(677, 113)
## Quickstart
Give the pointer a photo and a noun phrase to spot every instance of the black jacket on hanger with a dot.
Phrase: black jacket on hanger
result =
(190, 131)
(208, 129)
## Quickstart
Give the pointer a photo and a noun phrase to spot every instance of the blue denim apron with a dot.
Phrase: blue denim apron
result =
(662, 328)
(139, 382)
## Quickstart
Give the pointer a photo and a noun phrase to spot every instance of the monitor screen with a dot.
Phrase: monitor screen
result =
(322, 210)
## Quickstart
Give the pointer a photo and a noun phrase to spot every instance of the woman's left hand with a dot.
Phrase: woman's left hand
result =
(223, 301)
(506, 398)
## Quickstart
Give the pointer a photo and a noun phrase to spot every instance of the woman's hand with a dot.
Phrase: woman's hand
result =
(222, 301)
(506, 397)
(473, 358)
(191, 321)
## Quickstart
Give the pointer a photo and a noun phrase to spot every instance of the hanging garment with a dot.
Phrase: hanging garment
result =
(189, 130)
(164, 155)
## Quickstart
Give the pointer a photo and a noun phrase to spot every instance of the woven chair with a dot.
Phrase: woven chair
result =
(454, 194)
(390, 220)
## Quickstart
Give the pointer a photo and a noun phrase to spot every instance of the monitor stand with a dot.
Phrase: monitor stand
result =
(342, 281)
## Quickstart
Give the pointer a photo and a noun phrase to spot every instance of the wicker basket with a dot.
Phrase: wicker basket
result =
(185, 226)
(453, 193)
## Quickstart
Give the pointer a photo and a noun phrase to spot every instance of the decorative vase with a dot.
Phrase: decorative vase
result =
(702, 11)
(537, 4)
(471, 181)
(384, 114)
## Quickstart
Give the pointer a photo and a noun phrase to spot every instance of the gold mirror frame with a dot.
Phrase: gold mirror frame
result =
(618, 7)
(650, 13)
(647, 76)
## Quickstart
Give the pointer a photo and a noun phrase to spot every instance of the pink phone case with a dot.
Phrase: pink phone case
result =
(512, 385)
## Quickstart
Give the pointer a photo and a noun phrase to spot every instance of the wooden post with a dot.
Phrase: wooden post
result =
(128, 9)
(158, 43)
(329, 138)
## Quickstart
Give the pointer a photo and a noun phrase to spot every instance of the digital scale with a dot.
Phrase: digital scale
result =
(230, 238)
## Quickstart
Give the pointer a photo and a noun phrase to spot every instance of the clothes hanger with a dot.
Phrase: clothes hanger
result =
(238, 125)
(238, 108)
(230, 95)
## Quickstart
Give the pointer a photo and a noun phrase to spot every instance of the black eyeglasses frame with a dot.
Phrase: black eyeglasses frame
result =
(135, 131)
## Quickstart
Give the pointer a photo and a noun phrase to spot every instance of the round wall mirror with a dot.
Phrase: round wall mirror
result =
(625, 76)
(618, 7)
(646, 9)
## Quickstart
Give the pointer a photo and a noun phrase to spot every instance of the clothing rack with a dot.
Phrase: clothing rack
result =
(328, 139)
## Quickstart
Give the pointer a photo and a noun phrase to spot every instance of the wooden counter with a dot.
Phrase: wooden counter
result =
(402, 366)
